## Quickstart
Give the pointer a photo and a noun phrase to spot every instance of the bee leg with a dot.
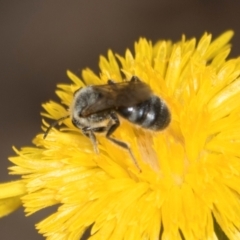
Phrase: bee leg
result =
(89, 133)
(113, 125)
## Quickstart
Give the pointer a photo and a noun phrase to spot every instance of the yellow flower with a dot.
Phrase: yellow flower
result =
(189, 181)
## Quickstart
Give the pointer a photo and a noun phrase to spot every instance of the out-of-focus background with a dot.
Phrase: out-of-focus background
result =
(39, 40)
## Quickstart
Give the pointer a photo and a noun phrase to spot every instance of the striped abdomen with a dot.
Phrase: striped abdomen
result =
(152, 114)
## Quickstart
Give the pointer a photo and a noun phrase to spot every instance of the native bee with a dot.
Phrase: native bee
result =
(95, 109)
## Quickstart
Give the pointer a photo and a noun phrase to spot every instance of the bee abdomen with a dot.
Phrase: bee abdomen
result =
(151, 114)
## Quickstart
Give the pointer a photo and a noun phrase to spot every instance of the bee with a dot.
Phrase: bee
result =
(96, 109)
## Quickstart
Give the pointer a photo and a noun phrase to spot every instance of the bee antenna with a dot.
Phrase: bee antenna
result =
(53, 125)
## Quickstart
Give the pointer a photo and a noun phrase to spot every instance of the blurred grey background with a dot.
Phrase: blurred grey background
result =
(41, 39)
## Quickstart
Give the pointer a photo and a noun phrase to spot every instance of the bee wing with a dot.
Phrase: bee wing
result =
(116, 95)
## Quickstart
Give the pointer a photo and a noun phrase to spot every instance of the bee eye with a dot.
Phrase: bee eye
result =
(77, 91)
